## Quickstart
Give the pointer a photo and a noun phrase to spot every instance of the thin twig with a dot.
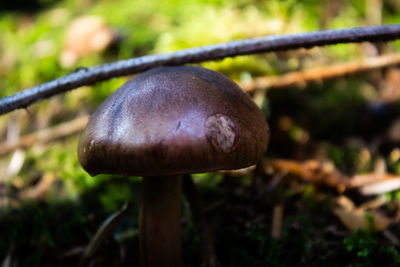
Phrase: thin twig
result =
(302, 77)
(45, 135)
(87, 76)
(296, 78)
(277, 221)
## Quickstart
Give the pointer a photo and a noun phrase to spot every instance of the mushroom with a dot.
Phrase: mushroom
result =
(164, 123)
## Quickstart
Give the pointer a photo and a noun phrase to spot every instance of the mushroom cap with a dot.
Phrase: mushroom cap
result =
(174, 120)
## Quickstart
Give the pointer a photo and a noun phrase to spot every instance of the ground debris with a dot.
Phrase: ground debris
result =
(323, 173)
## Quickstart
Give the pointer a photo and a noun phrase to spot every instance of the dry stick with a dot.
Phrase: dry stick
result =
(87, 76)
(46, 135)
(277, 220)
(302, 77)
(297, 78)
(310, 170)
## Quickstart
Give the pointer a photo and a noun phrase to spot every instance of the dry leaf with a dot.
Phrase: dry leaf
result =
(357, 218)
(381, 187)
(375, 183)
(85, 35)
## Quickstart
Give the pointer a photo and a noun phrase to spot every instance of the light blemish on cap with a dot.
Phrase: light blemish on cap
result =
(222, 132)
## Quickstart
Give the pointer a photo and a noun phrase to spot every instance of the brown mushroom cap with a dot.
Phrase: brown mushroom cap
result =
(174, 120)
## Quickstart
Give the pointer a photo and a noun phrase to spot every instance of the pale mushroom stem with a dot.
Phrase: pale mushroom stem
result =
(160, 221)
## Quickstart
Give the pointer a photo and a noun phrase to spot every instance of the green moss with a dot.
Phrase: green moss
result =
(365, 250)
(41, 228)
(30, 46)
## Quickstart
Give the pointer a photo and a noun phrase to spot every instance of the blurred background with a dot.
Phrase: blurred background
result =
(327, 192)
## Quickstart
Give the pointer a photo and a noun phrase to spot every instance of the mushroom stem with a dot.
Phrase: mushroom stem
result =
(160, 221)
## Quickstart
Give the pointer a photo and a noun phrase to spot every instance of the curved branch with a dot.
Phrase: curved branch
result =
(87, 76)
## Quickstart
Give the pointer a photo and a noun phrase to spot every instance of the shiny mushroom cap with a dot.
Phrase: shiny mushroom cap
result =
(174, 120)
